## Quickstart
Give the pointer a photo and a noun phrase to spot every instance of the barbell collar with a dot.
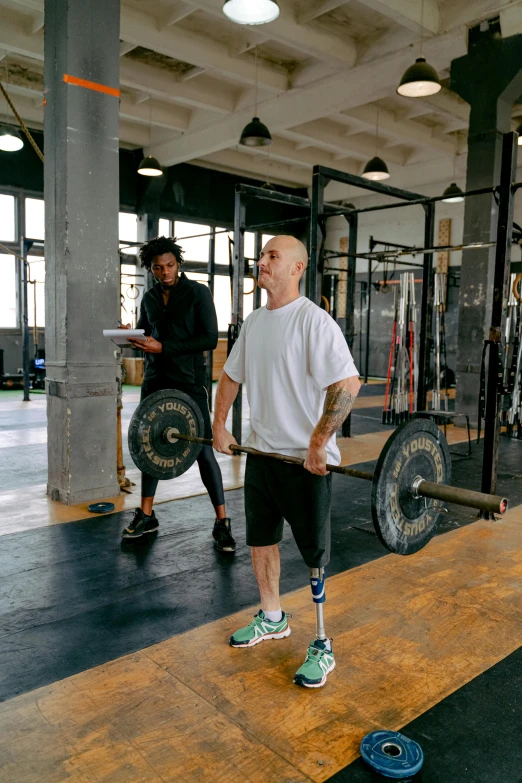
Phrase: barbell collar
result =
(462, 497)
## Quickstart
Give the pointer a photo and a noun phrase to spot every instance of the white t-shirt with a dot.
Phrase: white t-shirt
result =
(287, 357)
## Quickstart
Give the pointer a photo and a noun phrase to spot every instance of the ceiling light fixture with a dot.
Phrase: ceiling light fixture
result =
(376, 169)
(453, 194)
(10, 139)
(420, 79)
(251, 11)
(149, 166)
(255, 134)
(519, 131)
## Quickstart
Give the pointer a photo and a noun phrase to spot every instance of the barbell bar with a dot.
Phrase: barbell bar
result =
(414, 467)
(420, 487)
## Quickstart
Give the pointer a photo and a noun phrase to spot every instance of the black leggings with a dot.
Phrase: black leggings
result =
(208, 466)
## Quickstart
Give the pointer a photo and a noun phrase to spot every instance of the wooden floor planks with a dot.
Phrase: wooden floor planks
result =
(407, 633)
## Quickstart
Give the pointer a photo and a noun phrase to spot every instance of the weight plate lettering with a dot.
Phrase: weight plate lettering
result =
(405, 523)
(152, 452)
(392, 754)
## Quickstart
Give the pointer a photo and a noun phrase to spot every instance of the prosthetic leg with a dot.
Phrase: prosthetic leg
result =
(319, 597)
(320, 660)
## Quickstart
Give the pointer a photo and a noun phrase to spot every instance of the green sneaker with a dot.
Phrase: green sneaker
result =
(318, 664)
(259, 630)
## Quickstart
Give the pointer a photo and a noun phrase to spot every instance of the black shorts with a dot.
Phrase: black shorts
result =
(200, 397)
(275, 491)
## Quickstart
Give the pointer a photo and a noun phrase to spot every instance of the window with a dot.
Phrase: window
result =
(7, 218)
(36, 289)
(34, 218)
(195, 249)
(222, 301)
(164, 228)
(128, 231)
(132, 286)
(8, 315)
(128, 227)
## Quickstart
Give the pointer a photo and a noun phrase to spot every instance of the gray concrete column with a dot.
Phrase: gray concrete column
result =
(81, 184)
(489, 78)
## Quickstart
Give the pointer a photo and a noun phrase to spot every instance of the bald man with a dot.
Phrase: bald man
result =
(301, 383)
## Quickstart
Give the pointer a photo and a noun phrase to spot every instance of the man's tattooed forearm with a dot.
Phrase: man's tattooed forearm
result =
(337, 406)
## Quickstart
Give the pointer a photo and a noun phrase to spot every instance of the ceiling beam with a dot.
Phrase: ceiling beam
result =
(407, 13)
(201, 93)
(264, 170)
(316, 8)
(15, 41)
(284, 152)
(159, 115)
(125, 48)
(286, 30)
(175, 13)
(139, 28)
(37, 23)
(188, 75)
(246, 42)
(405, 132)
(339, 92)
(328, 138)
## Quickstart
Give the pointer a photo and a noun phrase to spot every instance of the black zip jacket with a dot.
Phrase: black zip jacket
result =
(186, 327)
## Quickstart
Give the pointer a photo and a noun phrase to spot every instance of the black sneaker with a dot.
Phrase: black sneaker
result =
(222, 534)
(141, 524)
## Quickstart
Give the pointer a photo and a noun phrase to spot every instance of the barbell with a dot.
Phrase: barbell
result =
(413, 467)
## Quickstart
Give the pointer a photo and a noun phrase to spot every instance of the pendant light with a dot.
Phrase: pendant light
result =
(255, 134)
(251, 11)
(149, 166)
(519, 131)
(10, 139)
(453, 194)
(376, 169)
(420, 79)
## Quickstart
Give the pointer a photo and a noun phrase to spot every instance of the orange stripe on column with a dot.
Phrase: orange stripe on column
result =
(91, 85)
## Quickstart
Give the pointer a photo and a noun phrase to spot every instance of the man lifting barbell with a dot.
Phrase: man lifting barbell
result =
(301, 383)
(289, 354)
(179, 320)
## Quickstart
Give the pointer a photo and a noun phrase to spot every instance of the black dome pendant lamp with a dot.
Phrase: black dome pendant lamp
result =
(255, 133)
(420, 79)
(453, 194)
(149, 166)
(376, 169)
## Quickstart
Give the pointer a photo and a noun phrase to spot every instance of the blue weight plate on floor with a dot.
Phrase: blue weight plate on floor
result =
(101, 508)
(392, 754)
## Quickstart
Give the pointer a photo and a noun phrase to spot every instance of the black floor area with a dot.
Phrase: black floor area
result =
(74, 597)
(473, 736)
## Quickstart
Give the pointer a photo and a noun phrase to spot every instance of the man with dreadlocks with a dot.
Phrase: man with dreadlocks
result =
(179, 320)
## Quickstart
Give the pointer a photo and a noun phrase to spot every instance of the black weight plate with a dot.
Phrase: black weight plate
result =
(392, 754)
(100, 508)
(151, 452)
(405, 523)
